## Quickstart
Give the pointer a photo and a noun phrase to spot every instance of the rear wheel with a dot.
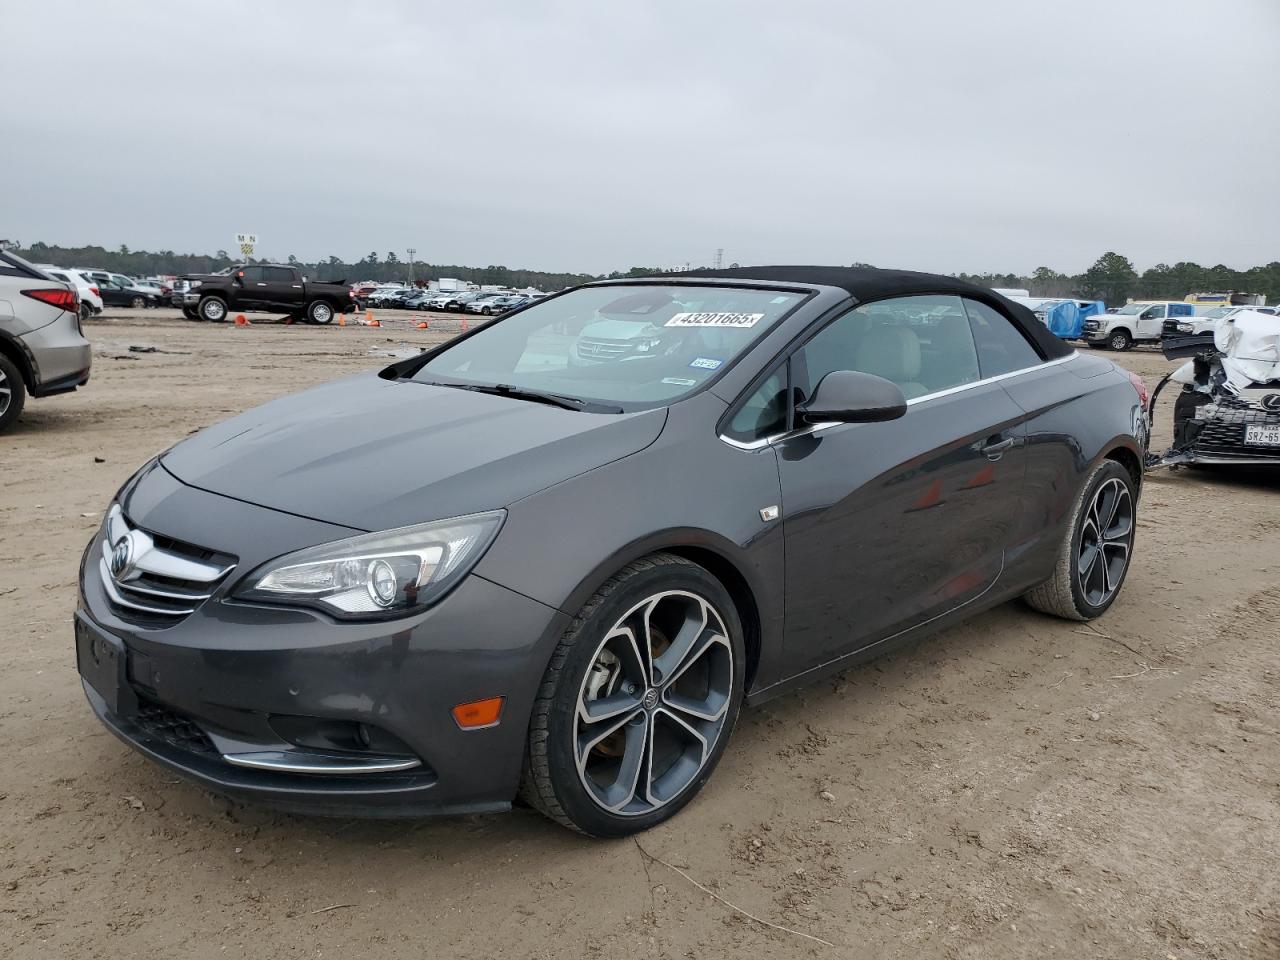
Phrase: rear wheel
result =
(1119, 340)
(638, 702)
(13, 392)
(318, 311)
(86, 311)
(137, 303)
(1094, 556)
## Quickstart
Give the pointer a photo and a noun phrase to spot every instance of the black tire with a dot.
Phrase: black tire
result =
(486, 311)
(213, 309)
(137, 303)
(551, 782)
(86, 312)
(1119, 340)
(13, 393)
(320, 312)
(1064, 594)
(191, 313)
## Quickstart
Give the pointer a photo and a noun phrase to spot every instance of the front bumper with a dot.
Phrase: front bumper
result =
(1214, 431)
(234, 680)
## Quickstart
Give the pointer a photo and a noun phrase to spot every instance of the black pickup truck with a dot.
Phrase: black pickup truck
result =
(264, 287)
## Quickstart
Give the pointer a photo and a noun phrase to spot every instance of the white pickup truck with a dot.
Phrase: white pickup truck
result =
(1139, 322)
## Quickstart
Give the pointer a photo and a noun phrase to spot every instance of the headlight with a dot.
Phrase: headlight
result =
(1184, 328)
(377, 575)
(193, 284)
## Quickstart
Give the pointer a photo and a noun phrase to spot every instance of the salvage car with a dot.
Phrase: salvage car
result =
(562, 582)
(1228, 410)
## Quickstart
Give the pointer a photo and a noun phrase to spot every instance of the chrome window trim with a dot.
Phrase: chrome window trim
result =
(924, 398)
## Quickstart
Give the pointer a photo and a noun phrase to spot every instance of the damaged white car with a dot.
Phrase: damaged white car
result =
(1229, 409)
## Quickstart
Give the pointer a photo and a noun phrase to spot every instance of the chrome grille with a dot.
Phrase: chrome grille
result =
(153, 579)
(1222, 433)
(591, 349)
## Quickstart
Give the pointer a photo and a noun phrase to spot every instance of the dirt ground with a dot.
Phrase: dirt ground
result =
(1015, 787)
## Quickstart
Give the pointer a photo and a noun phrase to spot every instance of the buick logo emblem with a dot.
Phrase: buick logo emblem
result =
(1271, 401)
(121, 557)
(650, 698)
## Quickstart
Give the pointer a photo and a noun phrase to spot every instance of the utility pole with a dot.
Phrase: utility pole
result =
(411, 251)
(719, 258)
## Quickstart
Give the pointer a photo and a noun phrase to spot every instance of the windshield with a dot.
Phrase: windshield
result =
(1217, 313)
(641, 344)
(1130, 309)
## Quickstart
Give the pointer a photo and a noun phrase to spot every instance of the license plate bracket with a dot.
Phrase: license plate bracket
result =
(102, 661)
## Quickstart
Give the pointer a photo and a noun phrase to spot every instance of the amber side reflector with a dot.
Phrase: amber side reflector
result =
(478, 713)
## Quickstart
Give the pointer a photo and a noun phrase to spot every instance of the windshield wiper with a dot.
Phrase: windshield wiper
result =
(552, 399)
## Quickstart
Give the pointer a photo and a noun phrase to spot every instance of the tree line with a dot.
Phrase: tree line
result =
(1112, 277)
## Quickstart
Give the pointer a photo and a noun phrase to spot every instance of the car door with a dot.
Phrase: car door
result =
(283, 288)
(1151, 322)
(251, 284)
(888, 525)
(113, 294)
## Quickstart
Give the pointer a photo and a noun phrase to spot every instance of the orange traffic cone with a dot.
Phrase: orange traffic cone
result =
(423, 325)
(372, 322)
(368, 318)
(241, 320)
(342, 319)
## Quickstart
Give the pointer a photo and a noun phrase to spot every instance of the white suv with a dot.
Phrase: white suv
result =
(42, 350)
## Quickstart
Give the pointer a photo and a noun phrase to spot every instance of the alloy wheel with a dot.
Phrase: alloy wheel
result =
(653, 703)
(1106, 538)
(6, 393)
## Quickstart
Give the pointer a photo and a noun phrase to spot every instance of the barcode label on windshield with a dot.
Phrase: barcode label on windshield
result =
(715, 320)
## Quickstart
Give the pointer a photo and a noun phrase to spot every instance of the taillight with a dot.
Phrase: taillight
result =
(1140, 385)
(95, 291)
(59, 297)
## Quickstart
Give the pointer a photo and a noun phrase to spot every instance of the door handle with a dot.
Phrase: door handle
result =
(994, 451)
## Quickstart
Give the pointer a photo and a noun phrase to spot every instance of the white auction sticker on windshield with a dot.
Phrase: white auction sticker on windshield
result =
(714, 320)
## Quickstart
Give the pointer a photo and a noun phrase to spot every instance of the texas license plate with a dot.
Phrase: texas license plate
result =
(1257, 434)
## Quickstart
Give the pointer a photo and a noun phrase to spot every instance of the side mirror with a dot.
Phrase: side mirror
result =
(847, 396)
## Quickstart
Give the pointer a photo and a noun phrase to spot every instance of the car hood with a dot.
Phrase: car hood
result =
(371, 453)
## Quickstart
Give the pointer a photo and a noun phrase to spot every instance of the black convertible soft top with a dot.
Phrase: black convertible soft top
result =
(871, 283)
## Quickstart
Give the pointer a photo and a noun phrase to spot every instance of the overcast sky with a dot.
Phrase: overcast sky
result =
(930, 134)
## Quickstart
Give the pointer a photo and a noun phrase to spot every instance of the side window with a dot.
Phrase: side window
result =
(1001, 346)
(279, 275)
(253, 274)
(923, 344)
(764, 414)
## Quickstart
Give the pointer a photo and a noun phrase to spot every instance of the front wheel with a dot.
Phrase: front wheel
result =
(318, 311)
(213, 309)
(86, 312)
(1095, 553)
(638, 702)
(1119, 340)
(137, 303)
